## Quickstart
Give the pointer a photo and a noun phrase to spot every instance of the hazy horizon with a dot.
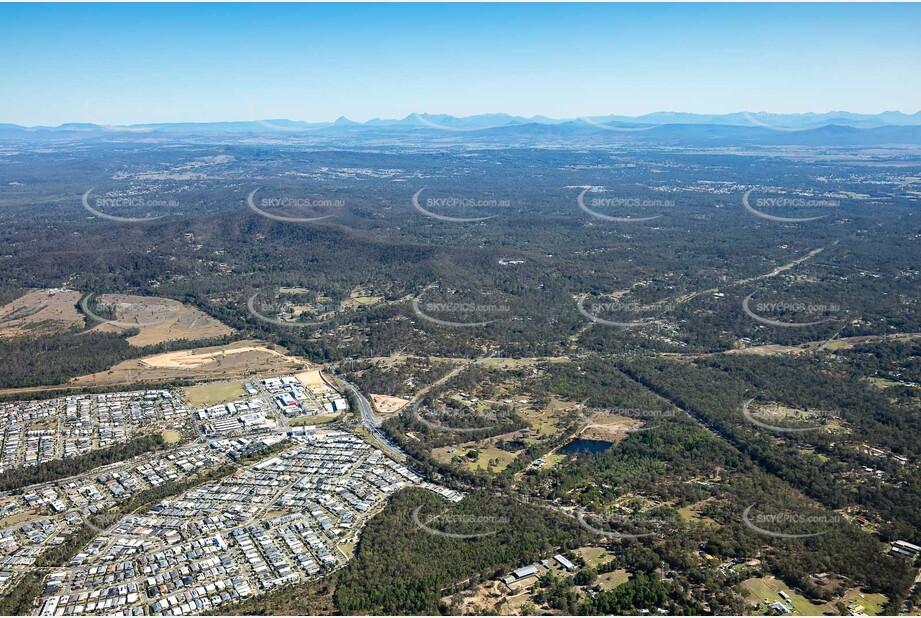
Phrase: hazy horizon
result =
(499, 113)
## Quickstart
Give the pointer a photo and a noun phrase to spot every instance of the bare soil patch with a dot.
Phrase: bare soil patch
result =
(161, 319)
(236, 360)
(41, 312)
(311, 379)
(387, 405)
(171, 436)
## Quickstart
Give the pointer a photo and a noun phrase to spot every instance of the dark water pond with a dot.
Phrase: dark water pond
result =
(580, 445)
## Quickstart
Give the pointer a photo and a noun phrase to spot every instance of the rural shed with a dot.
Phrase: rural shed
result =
(527, 571)
(566, 563)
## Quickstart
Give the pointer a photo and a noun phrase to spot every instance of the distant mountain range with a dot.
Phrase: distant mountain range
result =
(485, 121)
(831, 129)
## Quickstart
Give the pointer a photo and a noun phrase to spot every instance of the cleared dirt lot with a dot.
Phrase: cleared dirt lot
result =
(160, 320)
(842, 343)
(311, 378)
(240, 353)
(495, 597)
(171, 436)
(387, 405)
(41, 312)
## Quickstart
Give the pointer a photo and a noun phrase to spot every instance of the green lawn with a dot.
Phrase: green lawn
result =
(758, 589)
(552, 460)
(593, 556)
(609, 581)
(691, 513)
(873, 603)
(319, 419)
(206, 395)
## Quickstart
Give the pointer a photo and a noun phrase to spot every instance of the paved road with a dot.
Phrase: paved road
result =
(372, 423)
(907, 604)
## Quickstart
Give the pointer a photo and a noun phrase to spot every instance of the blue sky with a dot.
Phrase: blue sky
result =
(132, 63)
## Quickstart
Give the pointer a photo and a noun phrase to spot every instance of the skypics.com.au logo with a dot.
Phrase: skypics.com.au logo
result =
(620, 203)
(431, 124)
(278, 321)
(615, 128)
(812, 416)
(499, 416)
(297, 202)
(759, 311)
(164, 311)
(99, 206)
(767, 524)
(428, 310)
(455, 203)
(652, 312)
(465, 520)
(789, 203)
(609, 418)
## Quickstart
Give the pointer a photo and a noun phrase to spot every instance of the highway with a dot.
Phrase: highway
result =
(372, 423)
